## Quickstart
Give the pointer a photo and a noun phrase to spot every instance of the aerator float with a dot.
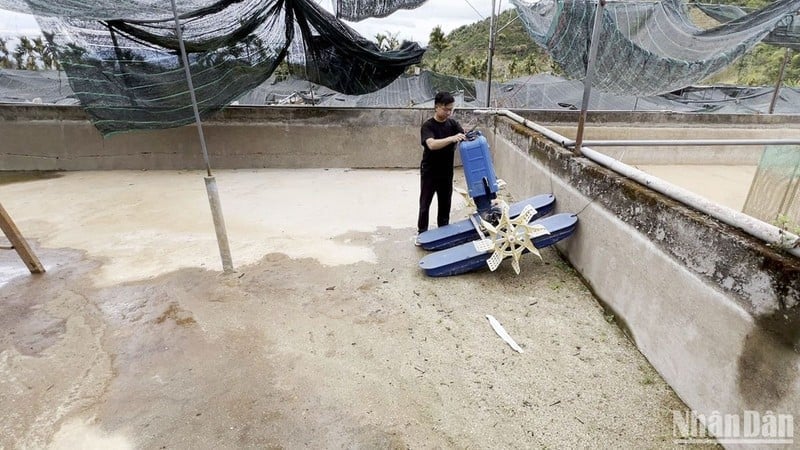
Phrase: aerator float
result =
(495, 231)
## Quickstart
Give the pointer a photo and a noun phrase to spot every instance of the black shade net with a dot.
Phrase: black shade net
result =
(122, 59)
(355, 10)
(645, 47)
(786, 34)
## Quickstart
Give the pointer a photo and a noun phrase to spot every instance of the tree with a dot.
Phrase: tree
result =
(513, 67)
(437, 41)
(476, 68)
(458, 64)
(44, 52)
(254, 47)
(25, 54)
(49, 55)
(531, 64)
(234, 50)
(282, 71)
(5, 55)
(387, 42)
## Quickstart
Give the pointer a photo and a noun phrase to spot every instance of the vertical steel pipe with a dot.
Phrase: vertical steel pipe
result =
(211, 183)
(587, 80)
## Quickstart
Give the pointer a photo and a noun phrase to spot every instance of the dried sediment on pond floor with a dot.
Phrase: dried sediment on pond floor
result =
(327, 336)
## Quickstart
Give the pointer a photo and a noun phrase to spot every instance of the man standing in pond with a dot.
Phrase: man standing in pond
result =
(439, 136)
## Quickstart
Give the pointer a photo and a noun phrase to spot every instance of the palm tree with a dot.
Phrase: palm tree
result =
(387, 42)
(436, 40)
(379, 38)
(25, 54)
(476, 68)
(40, 52)
(254, 47)
(49, 55)
(513, 67)
(5, 56)
(458, 64)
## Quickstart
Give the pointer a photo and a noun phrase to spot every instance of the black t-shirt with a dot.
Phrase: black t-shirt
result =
(440, 160)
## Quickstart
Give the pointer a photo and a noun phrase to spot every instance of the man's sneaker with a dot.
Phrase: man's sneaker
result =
(417, 242)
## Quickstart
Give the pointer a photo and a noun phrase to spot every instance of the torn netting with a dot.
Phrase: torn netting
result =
(333, 55)
(645, 48)
(786, 34)
(355, 10)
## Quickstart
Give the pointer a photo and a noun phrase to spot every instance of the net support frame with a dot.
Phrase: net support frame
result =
(587, 80)
(210, 181)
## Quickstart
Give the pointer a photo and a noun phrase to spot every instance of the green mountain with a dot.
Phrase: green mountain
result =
(464, 52)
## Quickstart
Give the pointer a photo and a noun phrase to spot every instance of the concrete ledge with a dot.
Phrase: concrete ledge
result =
(62, 138)
(748, 155)
(33, 112)
(49, 137)
(660, 118)
(713, 309)
(612, 125)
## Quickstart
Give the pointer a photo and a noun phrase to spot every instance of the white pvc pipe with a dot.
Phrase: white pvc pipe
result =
(681, 143)
(752, 226)
(550, 134)
(219, 224)
(211, 182)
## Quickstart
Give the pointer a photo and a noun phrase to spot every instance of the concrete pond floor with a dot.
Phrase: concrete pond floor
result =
(328, 335)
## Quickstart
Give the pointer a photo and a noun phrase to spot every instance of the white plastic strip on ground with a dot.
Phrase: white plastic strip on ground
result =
(503, 333)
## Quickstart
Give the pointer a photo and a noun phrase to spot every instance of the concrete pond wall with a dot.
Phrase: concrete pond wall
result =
(43, 137)
(665, 126)
(61, 138)
(714, 310)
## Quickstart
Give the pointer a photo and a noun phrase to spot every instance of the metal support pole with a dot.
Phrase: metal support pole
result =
(491, 57)
(219, 224)
(185, 60)
(211, 183)
(780, 80)
(587, 80)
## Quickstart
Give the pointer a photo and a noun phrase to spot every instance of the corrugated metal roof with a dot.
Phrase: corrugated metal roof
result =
(542, 91)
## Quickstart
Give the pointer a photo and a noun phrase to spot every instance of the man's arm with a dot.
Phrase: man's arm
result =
(438, 144)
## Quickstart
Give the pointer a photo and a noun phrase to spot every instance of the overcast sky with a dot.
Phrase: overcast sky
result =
(415, 24)
(17, 24)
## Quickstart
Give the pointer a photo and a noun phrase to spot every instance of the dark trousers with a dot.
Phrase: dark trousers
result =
(442, 186)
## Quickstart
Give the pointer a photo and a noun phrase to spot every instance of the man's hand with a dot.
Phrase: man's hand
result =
(437, 144)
